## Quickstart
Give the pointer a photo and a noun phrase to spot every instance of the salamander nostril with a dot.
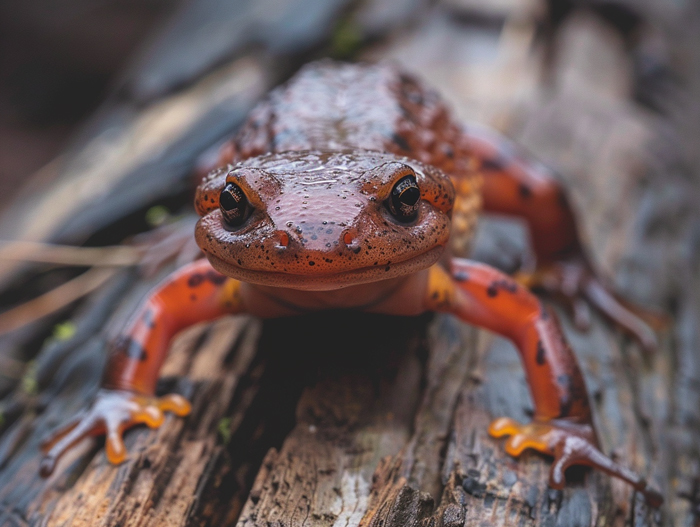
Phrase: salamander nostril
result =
(283, 240)
(350, 240)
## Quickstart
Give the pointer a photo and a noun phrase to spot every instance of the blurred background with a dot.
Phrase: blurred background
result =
(57, 62)
(107, 105)
(60, 60)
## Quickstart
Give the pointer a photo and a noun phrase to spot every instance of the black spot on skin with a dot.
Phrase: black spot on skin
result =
(387, 268)
(524, 191)
(195, 280)
(216, 278)
(130, 348)
(494, 164)
(435, 295)
(564, 380)
(357, 249)
(312, 263)
(461, 276)
(566, 399)
(501, 285)
(149, 319)
(400, 142)
(540, 353)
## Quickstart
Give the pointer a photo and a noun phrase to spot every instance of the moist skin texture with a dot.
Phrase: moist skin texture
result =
(320, 220)
(317, 161)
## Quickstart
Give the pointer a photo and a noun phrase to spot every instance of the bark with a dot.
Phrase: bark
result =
(343, 419)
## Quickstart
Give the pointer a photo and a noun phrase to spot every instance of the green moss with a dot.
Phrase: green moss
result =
(64, 331)
(346, 40)
(30, 386)
(224, 429)
(157, 215)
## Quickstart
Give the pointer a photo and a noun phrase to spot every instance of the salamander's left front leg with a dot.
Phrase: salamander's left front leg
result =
(193, 294)
(562, 425)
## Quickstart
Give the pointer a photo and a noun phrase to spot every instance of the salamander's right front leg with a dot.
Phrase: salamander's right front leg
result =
(562, 425)
(193, 294)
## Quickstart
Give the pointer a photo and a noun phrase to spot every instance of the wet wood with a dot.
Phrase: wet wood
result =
(367, 445)
(350, 420)
(168, 470)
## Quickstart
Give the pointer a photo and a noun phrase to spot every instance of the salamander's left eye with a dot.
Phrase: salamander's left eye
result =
(234, 205)
(404, 199)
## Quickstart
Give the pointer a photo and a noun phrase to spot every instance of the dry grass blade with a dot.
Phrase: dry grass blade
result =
(70, 255)
(55, 299)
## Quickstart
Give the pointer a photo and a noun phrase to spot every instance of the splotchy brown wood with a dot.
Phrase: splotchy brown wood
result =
(483, 485)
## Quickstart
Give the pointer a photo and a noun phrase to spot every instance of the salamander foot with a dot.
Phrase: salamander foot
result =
(110, 414)
(570, 444)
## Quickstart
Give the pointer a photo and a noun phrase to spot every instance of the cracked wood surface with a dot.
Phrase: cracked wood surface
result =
(348, 420)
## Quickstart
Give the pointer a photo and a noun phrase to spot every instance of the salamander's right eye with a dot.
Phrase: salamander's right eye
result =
(234, 205)
(404, 199)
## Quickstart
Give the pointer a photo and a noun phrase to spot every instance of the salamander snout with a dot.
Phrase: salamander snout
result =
(324, 237)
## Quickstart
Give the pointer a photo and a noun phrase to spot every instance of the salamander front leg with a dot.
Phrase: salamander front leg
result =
(193, 294)
(515, 184)
(562, 425)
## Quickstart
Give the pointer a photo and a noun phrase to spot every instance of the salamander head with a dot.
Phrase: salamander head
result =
(323, 220)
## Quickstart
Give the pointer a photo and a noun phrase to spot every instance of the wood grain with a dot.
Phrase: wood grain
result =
(350, 420)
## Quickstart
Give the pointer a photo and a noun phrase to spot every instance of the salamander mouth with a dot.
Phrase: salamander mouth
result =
(328, 281)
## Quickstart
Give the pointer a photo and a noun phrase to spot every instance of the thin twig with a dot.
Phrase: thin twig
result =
(55, 299)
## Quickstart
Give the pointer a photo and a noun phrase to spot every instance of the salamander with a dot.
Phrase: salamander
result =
(352, 187)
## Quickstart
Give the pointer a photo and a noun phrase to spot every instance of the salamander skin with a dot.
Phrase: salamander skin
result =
(349, 187)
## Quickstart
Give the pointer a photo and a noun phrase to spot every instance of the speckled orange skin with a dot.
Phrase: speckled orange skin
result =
(317, 161)
(329, 206)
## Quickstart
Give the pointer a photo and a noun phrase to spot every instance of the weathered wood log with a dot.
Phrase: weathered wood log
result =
(345, 419)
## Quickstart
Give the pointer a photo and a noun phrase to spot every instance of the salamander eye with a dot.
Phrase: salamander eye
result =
(234, 205)
(404, 199)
